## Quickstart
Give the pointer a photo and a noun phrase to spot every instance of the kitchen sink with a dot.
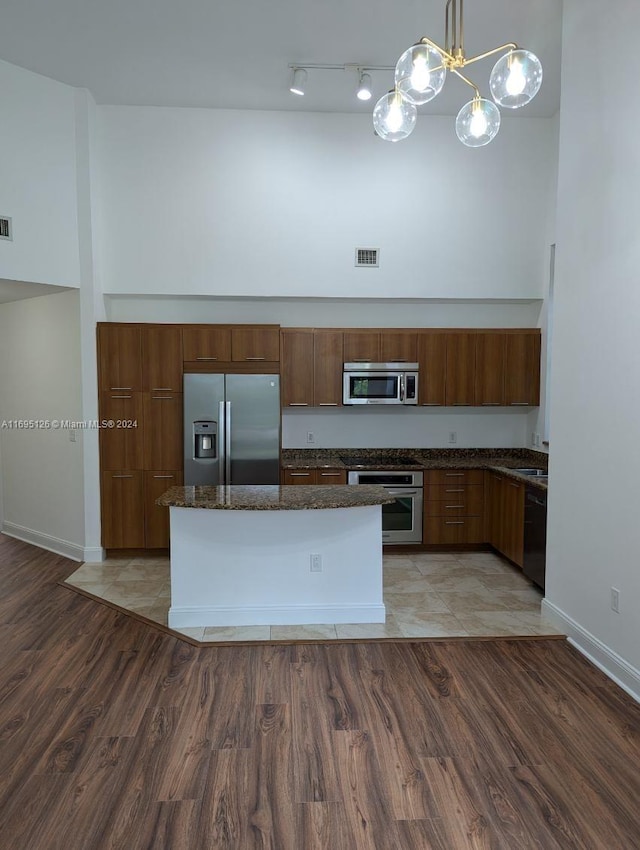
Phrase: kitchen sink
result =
(534, 473)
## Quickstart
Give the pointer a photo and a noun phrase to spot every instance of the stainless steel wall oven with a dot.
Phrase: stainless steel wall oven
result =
(402, 519)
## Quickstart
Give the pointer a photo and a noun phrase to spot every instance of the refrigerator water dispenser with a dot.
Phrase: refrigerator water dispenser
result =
(205, 439)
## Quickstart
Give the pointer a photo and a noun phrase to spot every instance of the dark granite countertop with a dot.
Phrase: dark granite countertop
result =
(499, 460)
(271, 497)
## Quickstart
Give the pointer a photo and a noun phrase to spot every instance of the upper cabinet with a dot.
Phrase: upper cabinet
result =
(260, 342)
(432, 368)
(490, 369)
(162, 358)
(522, 375)
(119, 357)
(328, 361)
(461, 369)
(209, 343)
(366, 346)
(297, 368)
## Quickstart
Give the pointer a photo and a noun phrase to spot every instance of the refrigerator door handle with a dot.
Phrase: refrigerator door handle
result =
(222, 436)
(227, 443)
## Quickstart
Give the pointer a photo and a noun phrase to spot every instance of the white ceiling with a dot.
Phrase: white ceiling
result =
(235, 53)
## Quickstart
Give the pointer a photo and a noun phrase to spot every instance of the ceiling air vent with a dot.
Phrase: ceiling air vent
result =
(367, 258)
(5, 228)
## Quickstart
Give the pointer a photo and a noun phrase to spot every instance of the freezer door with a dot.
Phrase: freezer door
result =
(253, 411)
(203, 429)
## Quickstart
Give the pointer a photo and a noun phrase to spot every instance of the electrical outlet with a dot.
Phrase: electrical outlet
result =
(536, 440)
(453, 437)
(316, 563)
(533, 438)
(311, 437)
(615, 600)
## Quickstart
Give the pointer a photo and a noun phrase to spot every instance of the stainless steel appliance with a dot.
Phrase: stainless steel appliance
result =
(380, 383)
(402, 519)
(535, 535)
(231, 429)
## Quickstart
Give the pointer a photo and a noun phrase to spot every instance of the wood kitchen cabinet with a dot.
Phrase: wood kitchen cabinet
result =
(156, 518)
(380, 346)
(255, 343)
(361, 347)
(453, 507)
(119, 357)
(162, 358)
(321, 475)
(206, 344)
(522, 376)
(460, 369)
(432, 368)
(297, 348)
(121, 446)
(504, 520)
(163, 423)
(398, 347)
(122, 509)
(328, 361)
(490, 369)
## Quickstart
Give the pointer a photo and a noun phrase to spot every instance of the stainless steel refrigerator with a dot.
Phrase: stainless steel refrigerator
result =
(231, 429)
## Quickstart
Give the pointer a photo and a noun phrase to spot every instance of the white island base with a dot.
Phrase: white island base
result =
(253, 567)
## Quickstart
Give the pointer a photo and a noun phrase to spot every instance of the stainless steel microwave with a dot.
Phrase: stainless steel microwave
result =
(380, 383)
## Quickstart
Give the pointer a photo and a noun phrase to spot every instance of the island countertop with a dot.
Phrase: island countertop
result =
(273, 497)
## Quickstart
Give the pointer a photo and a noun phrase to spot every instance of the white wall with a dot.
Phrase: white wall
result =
(42, 470)
(38, 179)
(226, 202)
(594, 533)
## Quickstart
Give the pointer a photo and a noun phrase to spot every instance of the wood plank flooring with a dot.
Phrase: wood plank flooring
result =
(116, 735)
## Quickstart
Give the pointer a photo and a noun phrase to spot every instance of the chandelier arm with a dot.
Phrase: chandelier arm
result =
(509, 46)
(467, 81)
(448, 56)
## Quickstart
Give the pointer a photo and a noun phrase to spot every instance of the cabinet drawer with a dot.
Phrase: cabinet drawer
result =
(452, 530)
(450, 477)
(298, 476)
(331, 476)
(459, 501)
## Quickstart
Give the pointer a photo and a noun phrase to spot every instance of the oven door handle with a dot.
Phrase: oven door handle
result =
(402, 491)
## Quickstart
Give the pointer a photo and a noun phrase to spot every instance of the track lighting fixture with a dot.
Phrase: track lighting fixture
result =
(364, 87)
(298, 81)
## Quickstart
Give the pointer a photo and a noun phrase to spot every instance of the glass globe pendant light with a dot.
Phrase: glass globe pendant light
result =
(394, 117)
(516, 79)
(420, 73)
(478, 122)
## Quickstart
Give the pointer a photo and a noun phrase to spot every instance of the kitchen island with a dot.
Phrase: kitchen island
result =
(275, 555)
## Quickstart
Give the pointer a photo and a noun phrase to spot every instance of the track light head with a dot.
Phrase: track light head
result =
(364, 87)
(298, 81)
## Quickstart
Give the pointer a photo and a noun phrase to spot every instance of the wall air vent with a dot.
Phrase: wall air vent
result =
(367, 258)
(5, 228)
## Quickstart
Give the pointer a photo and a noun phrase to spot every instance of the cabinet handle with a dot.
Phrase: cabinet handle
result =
(490, 404)
(164, 476)
(430, 404)
(121, 396)
(122, 476)
(255, 358)
(519, 403)
(330, 474)
(460, 490)
(170, 397)
(161, 389)
(298, 404)
(115, 389)
(511, 484)
(461, 404)
(454, 507)
(454, 475)
(328, 404)
(206, 358)
(454, 522)
(299, 474)
(362, 360)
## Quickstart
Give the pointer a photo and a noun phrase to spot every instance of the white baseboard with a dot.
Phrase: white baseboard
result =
(612, 665)
(274, 615)
(53, 544)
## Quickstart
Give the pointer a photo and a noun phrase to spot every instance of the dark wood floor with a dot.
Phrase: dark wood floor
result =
(114, 735)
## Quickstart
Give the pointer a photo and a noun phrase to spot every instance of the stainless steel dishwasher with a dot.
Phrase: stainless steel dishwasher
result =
(535, 535)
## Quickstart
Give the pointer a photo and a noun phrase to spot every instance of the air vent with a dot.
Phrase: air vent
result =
(367, 258)
(5, 228)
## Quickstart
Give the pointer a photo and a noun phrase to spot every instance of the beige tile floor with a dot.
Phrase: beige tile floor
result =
(459, 594)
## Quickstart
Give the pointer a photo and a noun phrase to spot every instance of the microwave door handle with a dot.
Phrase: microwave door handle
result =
(401, 379)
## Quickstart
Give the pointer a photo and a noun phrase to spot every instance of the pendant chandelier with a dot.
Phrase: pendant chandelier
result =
(421, 72)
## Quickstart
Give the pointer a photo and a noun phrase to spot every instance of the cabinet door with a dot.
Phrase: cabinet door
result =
(298, 476)
(514, 521)
(297, 368)
(461, 368)
(432, 366)
(398, 347)
(490, 366)
(257, 343)
(328, 360)
(119, 358)
(331, 476)
(212, 343)
(522, 376)
(163, 447)
(122, 509)
(121, 445)
(495, 513)
(162, 359)
(156, 518)
(361, 347)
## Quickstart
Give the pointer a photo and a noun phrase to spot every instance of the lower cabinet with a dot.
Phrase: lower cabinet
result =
(122, 510)
(156, 519)
(322, 475)
(505, 516)
(453, 507)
